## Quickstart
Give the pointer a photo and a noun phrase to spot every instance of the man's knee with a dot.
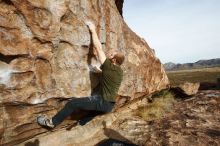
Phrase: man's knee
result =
(75, 103)
(68, 105)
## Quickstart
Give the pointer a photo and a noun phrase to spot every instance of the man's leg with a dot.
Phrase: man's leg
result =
(103, 106)
(86, 103)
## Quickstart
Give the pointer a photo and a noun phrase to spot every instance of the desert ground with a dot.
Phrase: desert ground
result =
(203, 75)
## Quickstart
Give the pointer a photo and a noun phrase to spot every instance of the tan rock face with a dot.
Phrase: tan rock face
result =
(190, 88)
(45, 54)
(54, 43)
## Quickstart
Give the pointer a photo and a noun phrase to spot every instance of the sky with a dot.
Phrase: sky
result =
(180, 31)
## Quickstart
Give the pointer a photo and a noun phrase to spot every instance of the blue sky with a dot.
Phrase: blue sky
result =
(180, 31)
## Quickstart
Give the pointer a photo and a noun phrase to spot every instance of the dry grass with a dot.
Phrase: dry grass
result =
(163, 100)
(195, 75)
(162, 103)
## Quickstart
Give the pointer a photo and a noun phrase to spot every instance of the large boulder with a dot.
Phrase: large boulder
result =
(45, 59)
(187, 88)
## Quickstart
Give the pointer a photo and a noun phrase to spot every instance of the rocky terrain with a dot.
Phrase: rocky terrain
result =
(164, 121)
(199, 64)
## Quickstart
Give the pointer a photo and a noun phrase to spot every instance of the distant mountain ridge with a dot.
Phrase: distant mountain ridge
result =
(199, 64)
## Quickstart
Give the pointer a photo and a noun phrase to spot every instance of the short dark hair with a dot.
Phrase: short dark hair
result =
(119, 57)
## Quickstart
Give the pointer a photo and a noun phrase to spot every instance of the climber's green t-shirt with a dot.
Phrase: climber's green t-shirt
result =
(111, 79)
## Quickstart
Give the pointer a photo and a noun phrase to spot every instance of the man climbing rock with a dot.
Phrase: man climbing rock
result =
(104, 99)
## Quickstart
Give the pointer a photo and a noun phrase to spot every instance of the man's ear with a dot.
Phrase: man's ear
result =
(114, 60)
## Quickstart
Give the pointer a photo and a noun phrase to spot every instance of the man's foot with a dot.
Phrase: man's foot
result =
(44, 121)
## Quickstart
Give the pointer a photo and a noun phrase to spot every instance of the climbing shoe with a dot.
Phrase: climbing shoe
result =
(44, 121)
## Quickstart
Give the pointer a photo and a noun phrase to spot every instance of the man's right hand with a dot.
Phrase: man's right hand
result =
(96, 42)
(90, 25)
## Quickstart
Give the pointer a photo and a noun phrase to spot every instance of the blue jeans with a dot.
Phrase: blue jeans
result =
(94, 102)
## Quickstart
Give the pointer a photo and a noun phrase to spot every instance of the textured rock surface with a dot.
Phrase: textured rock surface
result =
(193, 121)
(45, 59)
(187, 88)
(46, 43)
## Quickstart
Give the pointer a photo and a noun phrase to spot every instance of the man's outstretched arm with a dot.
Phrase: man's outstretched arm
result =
(96, 43)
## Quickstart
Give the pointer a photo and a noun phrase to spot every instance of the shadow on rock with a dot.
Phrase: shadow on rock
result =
(35, 143)
(115, 138)
(113, 142)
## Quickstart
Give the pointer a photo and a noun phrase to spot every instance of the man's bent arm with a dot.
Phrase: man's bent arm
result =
(97, 44)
